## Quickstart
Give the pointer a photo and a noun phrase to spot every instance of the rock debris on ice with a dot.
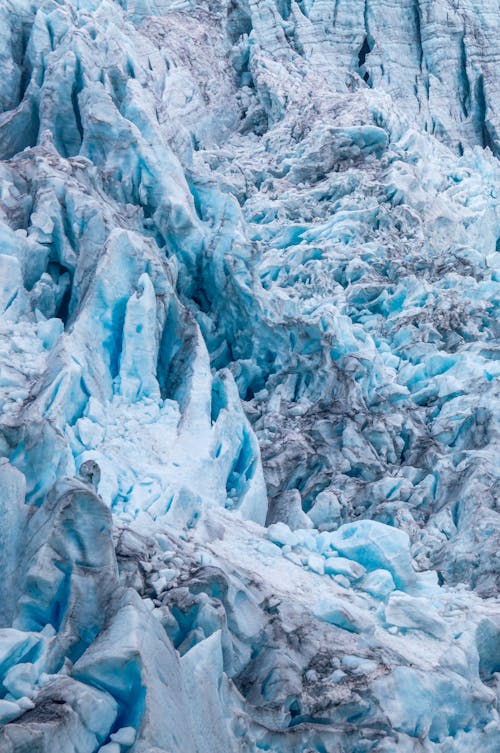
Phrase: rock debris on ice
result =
(249, 381)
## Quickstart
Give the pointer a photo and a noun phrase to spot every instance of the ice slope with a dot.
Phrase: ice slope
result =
(249, 436)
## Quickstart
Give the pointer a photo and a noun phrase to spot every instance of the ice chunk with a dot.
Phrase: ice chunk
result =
(316, 563)
(343, 566)
(377, 546)
(422, 704)
(15, 645)
(338, 613)
(20, 679)
(9, 711)
(287, 508)
(326, 511)
(67, 716)
(413, 612)
(378, 583)
(124, 736)
(281, 534)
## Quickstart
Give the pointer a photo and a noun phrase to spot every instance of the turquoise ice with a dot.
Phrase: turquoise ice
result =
(249, 381)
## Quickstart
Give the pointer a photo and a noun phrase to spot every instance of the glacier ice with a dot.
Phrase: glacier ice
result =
(249, 382)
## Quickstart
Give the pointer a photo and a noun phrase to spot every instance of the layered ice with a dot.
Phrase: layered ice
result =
(249, 393)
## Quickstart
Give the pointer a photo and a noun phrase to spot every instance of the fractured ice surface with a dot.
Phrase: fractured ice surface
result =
(249, 381)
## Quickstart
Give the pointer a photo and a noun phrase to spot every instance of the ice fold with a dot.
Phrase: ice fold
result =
(249, 376)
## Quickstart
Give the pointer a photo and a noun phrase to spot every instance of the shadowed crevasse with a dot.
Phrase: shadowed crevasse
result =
(249, 376)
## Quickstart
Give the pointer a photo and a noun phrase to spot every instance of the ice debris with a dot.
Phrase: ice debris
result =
(249, 382)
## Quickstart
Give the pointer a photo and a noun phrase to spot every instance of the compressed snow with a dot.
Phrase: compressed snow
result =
(249, 376)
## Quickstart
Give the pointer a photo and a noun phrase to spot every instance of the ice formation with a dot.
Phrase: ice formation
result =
(249, 381)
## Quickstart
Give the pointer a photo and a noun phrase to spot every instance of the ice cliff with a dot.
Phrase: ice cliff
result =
(249, 380)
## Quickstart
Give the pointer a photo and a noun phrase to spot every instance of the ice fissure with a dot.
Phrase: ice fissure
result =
(249, 382)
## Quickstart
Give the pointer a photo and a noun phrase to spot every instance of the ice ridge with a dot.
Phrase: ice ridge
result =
(249, 380)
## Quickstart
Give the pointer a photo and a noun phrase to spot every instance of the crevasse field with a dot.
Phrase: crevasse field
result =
(249, 376)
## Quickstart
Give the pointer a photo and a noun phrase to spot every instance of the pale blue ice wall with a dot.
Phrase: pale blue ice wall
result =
(249, 277)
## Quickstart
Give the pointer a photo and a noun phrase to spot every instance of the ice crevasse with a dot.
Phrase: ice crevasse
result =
(249, 381)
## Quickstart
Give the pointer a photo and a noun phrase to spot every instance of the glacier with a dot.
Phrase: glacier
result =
(249, 380)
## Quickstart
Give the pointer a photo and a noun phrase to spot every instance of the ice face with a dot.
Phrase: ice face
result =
(249, 376)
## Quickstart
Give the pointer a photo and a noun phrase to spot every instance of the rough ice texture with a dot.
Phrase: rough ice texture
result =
(249, 437)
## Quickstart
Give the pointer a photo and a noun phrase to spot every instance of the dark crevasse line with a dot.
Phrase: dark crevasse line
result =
(256, 359)
(464, 83)
(483, 125)
(366, 48)
(418, 29)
